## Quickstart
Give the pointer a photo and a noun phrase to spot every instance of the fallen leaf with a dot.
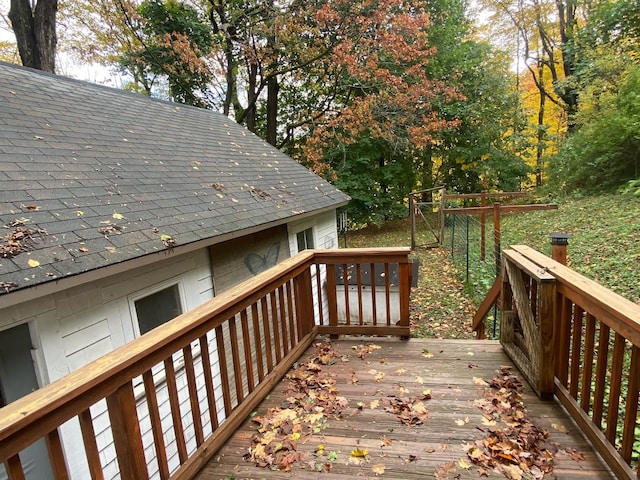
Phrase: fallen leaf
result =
(83, 249)
(378, 469)
(400, 371)
(359, 453)
(462, 463)
(33, 263)
(512, 471)
(480, 381)
(117, 216)
(379, 377)
(419, 380)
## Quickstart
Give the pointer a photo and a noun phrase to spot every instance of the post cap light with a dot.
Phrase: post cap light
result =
(560, 238)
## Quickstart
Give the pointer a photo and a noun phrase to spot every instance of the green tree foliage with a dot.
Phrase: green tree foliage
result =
(173, 42)
(605, 150)
(487, 150)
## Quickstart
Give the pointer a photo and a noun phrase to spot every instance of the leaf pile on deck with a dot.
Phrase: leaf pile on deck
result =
(518, 450)
(311, 397)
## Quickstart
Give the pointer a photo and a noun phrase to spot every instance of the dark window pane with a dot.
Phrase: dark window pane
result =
(158, 308)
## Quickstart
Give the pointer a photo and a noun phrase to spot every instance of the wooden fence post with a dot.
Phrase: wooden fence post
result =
(496, 235)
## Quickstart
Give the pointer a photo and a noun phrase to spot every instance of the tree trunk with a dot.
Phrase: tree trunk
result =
(35, 31)
(272, 109)
(540, 135)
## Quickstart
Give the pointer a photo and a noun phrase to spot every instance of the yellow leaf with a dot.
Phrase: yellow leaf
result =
(33, 263)
(378, 469)
(374, 404)
(400, 371)
(479, 381)
(462, 463)
(295, 436)
(419, 380)
(461, 422)
(359, 453)
(379, 377)
(79, 213)
(117, 216)
(488, 422)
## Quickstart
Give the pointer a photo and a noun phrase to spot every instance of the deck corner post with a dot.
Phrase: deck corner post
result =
(405, 271)
(125, 427)
(546, 315)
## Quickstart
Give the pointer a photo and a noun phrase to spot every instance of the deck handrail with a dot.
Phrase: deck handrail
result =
(217, 361)
(572, 337)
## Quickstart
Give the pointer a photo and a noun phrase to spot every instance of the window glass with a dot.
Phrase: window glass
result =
(305, 239)
(158, 308)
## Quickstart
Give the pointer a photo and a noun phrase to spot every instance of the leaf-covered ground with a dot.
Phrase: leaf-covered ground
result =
(439, 306)
(604, 246)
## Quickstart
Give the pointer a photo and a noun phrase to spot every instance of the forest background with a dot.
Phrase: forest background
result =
(381, 97)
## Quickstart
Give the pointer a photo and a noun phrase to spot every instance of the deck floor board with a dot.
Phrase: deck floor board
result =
(451, 373)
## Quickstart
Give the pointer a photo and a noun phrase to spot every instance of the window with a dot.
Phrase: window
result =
(305, 239)
(158, 308)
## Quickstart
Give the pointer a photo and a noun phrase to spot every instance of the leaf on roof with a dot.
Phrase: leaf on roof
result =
(117, 216)
(33, 263)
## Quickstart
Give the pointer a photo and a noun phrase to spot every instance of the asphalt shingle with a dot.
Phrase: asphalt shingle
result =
(102, 174)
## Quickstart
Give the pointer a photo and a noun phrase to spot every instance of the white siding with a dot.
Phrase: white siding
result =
(79, 325)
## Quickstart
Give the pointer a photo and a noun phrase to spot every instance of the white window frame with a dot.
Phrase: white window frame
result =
(139, 295)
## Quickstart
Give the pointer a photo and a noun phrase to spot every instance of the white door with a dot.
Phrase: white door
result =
(17, 379)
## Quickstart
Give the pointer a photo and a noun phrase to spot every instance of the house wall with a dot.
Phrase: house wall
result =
(242, 258)
(74, 327)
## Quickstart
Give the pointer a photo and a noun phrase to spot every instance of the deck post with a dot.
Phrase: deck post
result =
(405, 270)
(546, 312)
(559, 242)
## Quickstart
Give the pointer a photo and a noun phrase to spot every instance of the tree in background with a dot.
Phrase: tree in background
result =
(35, 30)
(173, 42)
(602, 153)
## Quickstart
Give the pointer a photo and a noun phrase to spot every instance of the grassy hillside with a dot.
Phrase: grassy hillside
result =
(604, 243)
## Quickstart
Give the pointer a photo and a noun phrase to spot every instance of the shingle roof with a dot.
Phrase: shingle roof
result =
(91, 176)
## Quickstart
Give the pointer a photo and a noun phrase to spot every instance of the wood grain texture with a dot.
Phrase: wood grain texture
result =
(452, 375)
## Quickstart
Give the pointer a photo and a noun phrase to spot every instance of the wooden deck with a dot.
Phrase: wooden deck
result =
(366, 440)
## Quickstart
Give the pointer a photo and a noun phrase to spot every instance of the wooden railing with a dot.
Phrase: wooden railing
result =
(578, 340)
(160, 406)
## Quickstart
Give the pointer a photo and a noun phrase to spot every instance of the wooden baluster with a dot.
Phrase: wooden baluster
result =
(587, 370)
(576, 350)
(563, 338)
(156, 424)
(601, 374)
(174, 402)
(125, 427)
(631, 407)
(208, 381)
(374, 280)
(359, 288)
(267, 334)
(506, 308)
(224, 373)
(282, 317)
(90, 445)
(294, 333)
(246, 344)
(275, 321)
(235, 359)
(615, 383)
(13, 467)
(387, 292)
(194, 401)
(332, 297)
(257, 341)
(345, 281)
(56, 455)
(318, 297)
